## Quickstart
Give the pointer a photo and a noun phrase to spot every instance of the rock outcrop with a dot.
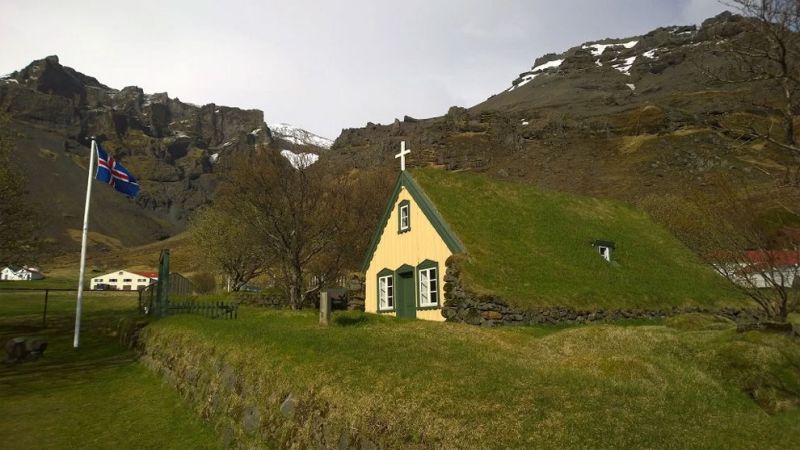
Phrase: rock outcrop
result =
(174, 148)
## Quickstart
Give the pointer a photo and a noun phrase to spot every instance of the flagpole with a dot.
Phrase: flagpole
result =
(84, 238)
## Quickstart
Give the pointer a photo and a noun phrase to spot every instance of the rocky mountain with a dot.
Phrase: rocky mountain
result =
(174, 148)
(637, 118)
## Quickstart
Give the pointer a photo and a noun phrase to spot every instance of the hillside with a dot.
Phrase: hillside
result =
(533, 248)
(176, 149)
(634, 118)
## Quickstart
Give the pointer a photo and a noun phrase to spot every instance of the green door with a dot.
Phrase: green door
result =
(406, 301)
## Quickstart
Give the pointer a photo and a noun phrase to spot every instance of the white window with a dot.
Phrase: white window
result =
(605, 252)
(404, 222)
(99, 280)
(386, 292)
(141, 280)
(428, 287)
(112, 280)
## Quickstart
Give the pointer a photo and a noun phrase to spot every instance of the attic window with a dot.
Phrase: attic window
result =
(404, 217)
(604, 248)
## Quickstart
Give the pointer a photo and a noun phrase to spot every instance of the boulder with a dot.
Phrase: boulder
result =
(24, 348)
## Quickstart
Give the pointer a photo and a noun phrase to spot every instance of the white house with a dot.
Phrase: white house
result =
(763, 269)
(16, 273)
(122, 280)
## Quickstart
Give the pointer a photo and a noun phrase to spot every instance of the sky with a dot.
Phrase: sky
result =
(321, 65)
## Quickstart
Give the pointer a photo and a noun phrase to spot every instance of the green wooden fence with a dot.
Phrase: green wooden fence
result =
(214, 310)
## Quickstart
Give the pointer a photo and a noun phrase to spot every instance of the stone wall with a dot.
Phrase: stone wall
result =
(355, 293)
(253, 408)
(461, 305)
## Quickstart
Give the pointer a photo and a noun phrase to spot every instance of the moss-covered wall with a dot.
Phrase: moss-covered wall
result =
(250, 408)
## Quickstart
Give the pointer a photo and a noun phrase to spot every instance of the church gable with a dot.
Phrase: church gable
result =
(407, 209)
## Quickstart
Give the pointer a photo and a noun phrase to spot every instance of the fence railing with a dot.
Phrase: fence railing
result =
(213, 310)
(47, 291)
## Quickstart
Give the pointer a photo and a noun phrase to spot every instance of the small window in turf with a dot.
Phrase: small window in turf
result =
(404, 217)
(604, 248)
(385, 290)
(428, 284)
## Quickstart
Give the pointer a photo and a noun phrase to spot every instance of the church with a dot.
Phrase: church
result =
(405, 262)
(523, 248)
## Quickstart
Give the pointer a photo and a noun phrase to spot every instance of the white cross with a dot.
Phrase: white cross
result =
(402, 155)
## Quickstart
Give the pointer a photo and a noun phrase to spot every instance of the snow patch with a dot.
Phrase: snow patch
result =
(527, 77)
(524, 122)
(214, 157)
(525, 80)
(255, 132)
(625, 67)
(650, 54)
(547, 65)
(631, 86)
(299, 136)
(598, 49)
(300, 160)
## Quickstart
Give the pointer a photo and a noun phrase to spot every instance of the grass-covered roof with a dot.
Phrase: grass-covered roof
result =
(534, 248)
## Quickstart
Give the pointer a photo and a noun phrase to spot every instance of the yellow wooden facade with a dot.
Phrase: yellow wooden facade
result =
(395, 249)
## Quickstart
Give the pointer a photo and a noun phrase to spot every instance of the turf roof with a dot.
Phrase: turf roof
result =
(534, 248)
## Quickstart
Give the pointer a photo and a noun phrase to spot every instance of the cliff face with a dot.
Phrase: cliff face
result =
(635, 118)
(174, 148)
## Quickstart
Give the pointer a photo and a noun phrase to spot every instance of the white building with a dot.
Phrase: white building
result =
(122, 280)
(764, 269)
(15, 273)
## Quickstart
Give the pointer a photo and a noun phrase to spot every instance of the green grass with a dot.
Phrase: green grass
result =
(59, 282)
(533, 248)
(96, 397)
(421, 384)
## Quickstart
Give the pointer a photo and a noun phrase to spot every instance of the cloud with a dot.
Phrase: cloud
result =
(322, 65)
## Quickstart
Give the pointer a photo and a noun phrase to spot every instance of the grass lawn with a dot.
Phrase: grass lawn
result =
(96, 397)
(691, 382)
(533, 248)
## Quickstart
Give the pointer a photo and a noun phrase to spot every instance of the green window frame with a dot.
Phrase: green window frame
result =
(404, 216)
(385, 290)
(428, 287)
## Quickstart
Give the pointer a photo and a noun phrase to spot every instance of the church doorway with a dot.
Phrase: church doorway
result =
(406, 302)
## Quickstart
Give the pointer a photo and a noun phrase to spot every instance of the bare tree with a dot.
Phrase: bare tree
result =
(767, 52)
(224, 241)
(290, 210)
(757, 253)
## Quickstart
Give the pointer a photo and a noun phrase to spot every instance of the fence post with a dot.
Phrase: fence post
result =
(44, 313)
(324, 309)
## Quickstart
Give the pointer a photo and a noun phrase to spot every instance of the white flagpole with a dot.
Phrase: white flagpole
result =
(92, 153)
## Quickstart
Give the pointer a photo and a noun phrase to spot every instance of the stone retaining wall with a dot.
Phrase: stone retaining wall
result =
(251, 408)
(486, 310)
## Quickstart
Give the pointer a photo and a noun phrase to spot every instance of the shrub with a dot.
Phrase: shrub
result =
(204, 282)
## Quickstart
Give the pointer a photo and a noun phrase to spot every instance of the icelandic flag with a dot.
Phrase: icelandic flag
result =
(111, 172)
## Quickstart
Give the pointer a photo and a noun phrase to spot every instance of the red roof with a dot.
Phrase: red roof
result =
(153, 275)
(775, 258)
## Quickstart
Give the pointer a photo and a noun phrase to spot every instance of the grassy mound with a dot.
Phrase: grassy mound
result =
(533, 248)
(417, 384)
(699, 322)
